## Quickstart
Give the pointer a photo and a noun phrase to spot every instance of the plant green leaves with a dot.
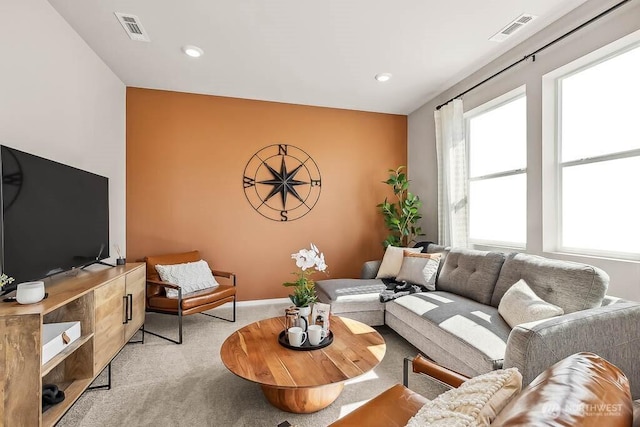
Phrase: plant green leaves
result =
(304, 292)
(400, 217)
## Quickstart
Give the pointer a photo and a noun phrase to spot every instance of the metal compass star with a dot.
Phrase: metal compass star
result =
(283, 182)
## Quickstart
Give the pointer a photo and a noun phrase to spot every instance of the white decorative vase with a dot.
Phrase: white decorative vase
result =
(30, 292)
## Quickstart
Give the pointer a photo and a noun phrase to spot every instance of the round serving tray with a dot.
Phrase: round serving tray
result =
(284, 341)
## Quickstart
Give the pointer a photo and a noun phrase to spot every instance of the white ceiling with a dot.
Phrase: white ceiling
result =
(321, 52)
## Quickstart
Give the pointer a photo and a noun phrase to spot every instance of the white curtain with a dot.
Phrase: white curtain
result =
(452, 175)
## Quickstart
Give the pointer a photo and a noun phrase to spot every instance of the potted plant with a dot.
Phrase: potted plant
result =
(304, 294)
(401, 216)
(4, 280)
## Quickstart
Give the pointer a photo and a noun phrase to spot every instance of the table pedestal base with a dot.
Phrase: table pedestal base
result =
(302, 400)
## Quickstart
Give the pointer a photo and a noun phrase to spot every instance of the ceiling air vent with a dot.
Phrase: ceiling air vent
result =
(133, 27)
(512, 27)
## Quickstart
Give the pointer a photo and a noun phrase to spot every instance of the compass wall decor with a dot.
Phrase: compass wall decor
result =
(282, 182)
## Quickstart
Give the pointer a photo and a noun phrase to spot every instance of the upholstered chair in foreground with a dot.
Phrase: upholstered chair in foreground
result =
(580, 390)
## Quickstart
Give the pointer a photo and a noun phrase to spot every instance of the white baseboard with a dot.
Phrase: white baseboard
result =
(257, 302)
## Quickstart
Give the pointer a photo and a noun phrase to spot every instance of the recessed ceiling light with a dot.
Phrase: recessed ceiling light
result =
(192, 51)
(383, 77)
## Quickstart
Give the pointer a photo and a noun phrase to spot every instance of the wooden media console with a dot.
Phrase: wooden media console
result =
(110, 306)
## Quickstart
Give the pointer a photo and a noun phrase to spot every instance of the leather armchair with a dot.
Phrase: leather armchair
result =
(394, 407)
(191, 303)
(585, 388)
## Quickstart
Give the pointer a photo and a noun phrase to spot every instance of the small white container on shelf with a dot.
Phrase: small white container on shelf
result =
(30, 292)
(53, 341)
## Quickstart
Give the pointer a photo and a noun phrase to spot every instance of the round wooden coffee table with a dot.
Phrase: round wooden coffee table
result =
(302, 381)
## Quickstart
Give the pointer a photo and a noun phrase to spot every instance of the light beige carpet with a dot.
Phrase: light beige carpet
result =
(163, 384)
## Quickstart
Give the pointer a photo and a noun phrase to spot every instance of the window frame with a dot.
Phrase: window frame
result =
(588, 61)
(504, 99)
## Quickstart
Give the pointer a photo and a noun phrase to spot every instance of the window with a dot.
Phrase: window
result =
(598, 149)
(497, 156)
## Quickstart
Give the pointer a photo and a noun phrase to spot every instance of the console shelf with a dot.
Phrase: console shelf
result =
(72, 391)
(109, 304)
(58, 358)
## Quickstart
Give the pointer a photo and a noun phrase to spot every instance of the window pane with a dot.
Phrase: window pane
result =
(601, 207)
(502, 130)
(599, 108)
(497, 209)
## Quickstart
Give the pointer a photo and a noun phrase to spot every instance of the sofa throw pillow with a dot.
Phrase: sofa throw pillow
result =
(419, 269)
(476, 402)
(392, 261)
(521, 305)
(191, 277)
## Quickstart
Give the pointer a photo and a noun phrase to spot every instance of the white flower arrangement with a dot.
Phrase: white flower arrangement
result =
(306, 259)
(310, 258)
(5, 280)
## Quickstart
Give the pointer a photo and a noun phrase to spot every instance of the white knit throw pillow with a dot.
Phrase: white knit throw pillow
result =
(191, 277)
(475, 403)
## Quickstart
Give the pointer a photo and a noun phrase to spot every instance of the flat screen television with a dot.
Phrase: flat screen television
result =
(54, 217)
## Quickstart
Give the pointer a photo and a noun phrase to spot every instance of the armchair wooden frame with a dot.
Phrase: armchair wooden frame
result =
(177, 308)
(424, 366)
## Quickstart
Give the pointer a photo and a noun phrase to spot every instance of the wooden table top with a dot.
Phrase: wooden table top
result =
(63, 288)
(254, 354)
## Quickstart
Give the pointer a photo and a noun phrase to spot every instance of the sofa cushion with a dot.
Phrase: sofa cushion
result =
(419, 269)
(438, 249)
(370, 269)
(193, 299)
(434, 247)
(470, 273)
(392, 261)
(353, 296)
(569, 285)
(521, 305)
(349, 289)
(360, 299)
(475, 333)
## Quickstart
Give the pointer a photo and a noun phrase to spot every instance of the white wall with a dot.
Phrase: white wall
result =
(59, 100)
(625, 275)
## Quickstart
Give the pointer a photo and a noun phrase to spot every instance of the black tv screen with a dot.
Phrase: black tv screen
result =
(54, 217)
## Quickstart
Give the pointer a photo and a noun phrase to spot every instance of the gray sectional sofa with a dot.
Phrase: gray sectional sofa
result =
(459, 327)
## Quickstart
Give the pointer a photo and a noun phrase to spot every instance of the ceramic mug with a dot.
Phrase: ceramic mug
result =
(296, 336)
(316, 334)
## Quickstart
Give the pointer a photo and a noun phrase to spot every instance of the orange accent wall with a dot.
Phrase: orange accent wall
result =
(186, 156)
